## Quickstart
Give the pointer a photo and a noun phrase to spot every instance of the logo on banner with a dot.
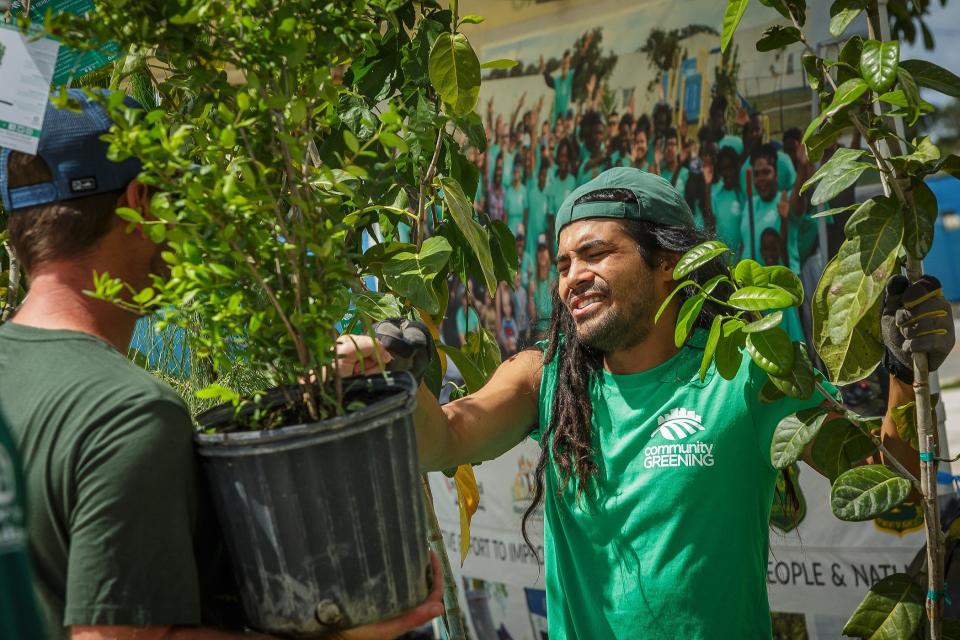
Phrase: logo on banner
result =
(674, 427)
(901, 520)
(524, 483)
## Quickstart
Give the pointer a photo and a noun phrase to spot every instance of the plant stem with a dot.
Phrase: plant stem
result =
(424, 182)
(451, 600)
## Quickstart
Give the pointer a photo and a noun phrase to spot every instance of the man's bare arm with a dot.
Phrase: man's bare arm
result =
(484, 424)
(155, 632)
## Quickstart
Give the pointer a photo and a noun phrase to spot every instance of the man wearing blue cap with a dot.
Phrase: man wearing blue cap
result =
(656, 486)
(115, 514)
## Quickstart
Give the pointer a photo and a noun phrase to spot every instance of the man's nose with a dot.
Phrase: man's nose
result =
(578, 275)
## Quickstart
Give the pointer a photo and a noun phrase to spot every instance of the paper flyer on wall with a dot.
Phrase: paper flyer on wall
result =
(26, 69)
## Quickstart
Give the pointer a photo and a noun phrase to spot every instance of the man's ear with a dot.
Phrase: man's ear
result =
(137, 196)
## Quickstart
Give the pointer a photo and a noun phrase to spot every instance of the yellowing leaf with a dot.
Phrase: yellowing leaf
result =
(435, 332)
(468, 497)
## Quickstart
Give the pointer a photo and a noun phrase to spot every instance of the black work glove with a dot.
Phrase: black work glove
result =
(409, 343)
(916, 319)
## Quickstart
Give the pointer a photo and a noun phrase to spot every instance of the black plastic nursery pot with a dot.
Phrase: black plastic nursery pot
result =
(324, 523)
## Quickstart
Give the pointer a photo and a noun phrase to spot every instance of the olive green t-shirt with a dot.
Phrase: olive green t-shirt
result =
(111, 480)
(671, 540)
(19, 614)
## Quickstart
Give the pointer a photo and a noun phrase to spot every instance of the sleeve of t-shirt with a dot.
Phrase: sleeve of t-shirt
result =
(766, 416)
(131, 530)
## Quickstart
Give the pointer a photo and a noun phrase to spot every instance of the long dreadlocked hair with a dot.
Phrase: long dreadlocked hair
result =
(567, 435)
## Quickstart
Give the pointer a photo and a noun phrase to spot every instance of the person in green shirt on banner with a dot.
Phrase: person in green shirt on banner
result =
(669, 165)
(561, 83)
(120, 530)
(562, 180)
(539, 214)
(656, 486)
(19, 614)
(767, 203)
(540, 299)
(728, 199)
(515, 199)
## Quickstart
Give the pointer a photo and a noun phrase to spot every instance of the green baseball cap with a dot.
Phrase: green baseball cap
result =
(656, 200)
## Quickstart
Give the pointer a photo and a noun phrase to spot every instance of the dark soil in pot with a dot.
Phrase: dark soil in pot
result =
(324, 522)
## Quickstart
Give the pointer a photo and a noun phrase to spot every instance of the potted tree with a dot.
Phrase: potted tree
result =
(292, 150)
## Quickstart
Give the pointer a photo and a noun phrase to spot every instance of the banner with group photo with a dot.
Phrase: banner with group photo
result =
(599, 84)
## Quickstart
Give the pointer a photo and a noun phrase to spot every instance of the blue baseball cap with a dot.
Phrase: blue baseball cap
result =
(70, 144)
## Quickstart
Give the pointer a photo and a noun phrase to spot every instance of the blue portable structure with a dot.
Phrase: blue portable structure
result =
(943, 261)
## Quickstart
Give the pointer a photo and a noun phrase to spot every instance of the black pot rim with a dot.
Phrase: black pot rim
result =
(375, 415)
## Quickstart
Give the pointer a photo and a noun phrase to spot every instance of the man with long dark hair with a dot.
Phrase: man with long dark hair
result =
(656, 485)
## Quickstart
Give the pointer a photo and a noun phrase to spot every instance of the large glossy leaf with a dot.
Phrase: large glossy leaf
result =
(838, 173)
(697, 257)
(461, 211)
(839, 446)
(411, 274)
(503, 250)
(731, 19)
(879, 62)
(376, 306)
(454, 71)
(766, 322)
(865, 261)
(905, 418)
(481, 347)
(855, 354)
(911, 92)
(728, 348)
(919, 221)
(750, 273)
(772, 350)
(892, 610)
(799, 381)
(842, 13)
(819, 142)
(777, 37)
(793, 434)
(933, 76)
(713, 338)
(846, 94)
(761, 298)
(865, 492)
(687, 317)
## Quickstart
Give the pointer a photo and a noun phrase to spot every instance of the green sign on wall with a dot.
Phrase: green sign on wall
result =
(71, 63)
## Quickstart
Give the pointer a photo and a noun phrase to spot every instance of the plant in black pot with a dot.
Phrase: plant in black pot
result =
(299, 155)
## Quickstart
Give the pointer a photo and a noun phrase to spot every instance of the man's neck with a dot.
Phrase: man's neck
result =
(655, 349)
(56, 301)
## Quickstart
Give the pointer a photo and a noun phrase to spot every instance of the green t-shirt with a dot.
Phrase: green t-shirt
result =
(729, 206)
(563, 89)
(108, 457)
(681, 183)
(514, 204)
(671, 541)
(558, 189)
(543, 300)
(766, 214)
(19, 614)
(467, 321)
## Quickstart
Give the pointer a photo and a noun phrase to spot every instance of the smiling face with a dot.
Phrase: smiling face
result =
(765, 178)
(606, 285)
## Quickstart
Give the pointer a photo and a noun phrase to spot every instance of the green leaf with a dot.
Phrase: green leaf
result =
(793, 434)
(473, 378)
(713, 338)
(919, 221)
(687, 317)
(766, 322)
(817, 143)
(376, 306)
(461, 211)
(842, 13)
(666, 303)
(351, 141)
(394, 141)
(455, 72)
(845, 95)
(697, 257)
(481, 347)
(130, 215)
(910, 91)
(835, 211)
(835, 175)
(865, 492)
(499, 63)
(728, 348)
(778, 37)
(839, 446)
(865, 261)
(799, 381)
(905, 418)
(750, 273)
(771, 350)
(770, 393)
(731, 19)
(503, 250)
(879, 62)
(411, 274)
(933, 76)
(855, 354)
(891, 610)
(471, 19)
(761, 298)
